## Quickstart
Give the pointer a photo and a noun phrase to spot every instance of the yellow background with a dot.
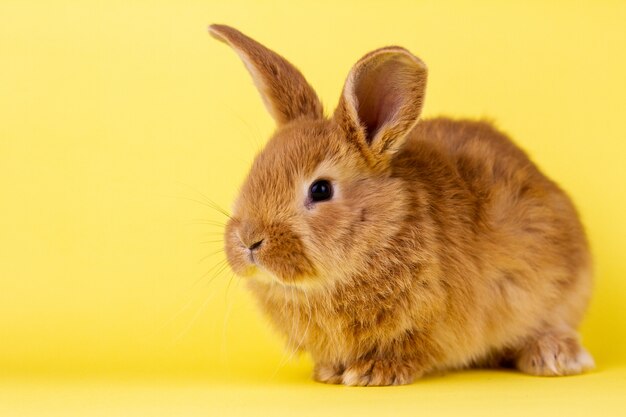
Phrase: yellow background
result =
(118, 119)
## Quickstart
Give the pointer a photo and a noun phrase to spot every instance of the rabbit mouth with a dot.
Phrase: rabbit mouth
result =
(251, 258)
(281, 270)
(272, 247)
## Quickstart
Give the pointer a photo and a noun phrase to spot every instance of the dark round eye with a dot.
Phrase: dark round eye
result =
(321, 190)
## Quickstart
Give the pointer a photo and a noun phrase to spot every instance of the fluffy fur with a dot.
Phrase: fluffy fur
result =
(442, 247)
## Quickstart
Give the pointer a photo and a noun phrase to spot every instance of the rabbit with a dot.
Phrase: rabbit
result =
(390, 248)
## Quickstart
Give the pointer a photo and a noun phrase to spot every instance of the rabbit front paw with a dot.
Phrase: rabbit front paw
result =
(367, 372)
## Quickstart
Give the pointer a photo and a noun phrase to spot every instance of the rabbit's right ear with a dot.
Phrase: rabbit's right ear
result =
(381, 102)
(285, 92)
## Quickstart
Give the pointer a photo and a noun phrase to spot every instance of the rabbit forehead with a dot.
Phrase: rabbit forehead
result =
(295, 156)
(292, 153)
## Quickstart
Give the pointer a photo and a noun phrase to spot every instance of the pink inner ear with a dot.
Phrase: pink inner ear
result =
(380, 91)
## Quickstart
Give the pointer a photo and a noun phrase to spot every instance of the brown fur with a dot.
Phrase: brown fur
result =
(443, 246)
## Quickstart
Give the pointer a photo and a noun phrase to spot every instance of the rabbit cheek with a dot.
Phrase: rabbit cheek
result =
(236, 253)
(284, 255)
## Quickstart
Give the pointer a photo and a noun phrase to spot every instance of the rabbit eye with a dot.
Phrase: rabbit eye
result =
(321, 190)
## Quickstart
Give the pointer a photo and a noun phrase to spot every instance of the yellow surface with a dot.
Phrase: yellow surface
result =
(117, 118)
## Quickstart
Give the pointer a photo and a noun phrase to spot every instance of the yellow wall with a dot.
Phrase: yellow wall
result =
(115, 116)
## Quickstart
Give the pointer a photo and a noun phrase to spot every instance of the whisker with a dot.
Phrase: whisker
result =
(229, 307)
(193, 320)
(215, 267)
(306, 329)
(176, 314)
(213, 234)
(230, 281)
(205, 257)
(303, 337)
(251, 135)
(207, 222)
(195, 200)
(219, 267)
(218, 273)
(203, 220)
(208, 201)
(286, 356)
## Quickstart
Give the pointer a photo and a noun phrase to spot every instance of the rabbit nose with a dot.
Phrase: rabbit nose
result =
(251, 236)
(255, 245)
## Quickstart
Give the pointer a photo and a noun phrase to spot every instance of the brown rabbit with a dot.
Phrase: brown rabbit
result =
(388, 248)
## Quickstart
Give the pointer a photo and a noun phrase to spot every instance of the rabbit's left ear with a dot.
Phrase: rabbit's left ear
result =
(284, 90)
(381, 102)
